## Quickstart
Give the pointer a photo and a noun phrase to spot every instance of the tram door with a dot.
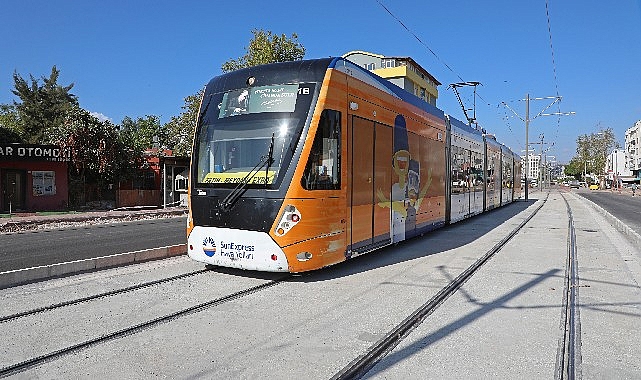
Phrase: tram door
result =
(362, 180)
(13, 186)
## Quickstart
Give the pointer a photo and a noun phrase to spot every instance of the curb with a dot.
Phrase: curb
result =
(619, 225)
(12, 224)
(24, 276)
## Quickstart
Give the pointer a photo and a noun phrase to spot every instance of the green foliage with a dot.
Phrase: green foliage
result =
(180, 129)
(97, 155)
(10, 126)
(43, 107)
(574, 168)
(592, 151)
(143, 133)
(266, 47)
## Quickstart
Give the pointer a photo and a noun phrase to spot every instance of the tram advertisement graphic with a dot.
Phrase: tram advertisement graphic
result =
(407, 194)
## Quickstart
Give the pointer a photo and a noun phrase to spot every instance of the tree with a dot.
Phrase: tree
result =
(143, 133)
(10, 126)
(592, 151)
(267, 47)
(180, 129)
(96, 155)
(574, 168)
(43, 106)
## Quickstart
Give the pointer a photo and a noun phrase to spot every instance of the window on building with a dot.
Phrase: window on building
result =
(371, 66)
(44, 183)
(388, 63)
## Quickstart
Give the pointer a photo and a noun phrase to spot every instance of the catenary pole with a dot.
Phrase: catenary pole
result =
(527, 145)
(527, 126)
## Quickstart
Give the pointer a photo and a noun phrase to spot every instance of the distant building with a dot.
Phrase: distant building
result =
(633, 149)
(534, 167)
(617, 167)
(402, 71)
(161, 182)
(33, 178)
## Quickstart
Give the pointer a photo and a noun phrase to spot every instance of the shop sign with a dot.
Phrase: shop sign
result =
(32, 152)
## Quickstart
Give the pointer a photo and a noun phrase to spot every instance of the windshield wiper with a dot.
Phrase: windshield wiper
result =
(266, 160)
(270, 159)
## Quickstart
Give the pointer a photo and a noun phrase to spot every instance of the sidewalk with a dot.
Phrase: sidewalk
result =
(30, 221)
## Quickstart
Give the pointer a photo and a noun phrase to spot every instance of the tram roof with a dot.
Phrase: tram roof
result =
(311, 70)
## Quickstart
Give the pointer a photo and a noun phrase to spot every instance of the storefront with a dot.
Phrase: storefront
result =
(33, 178)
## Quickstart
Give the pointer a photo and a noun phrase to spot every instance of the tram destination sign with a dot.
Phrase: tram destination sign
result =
(32, 152)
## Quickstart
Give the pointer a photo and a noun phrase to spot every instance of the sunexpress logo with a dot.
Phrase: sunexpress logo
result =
(209, 246)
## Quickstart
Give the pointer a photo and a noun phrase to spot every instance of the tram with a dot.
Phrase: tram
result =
(300, 165)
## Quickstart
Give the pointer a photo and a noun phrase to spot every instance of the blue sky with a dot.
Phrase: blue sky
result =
(137, 58)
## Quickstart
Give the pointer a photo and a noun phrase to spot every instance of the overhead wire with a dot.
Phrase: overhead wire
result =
(418, 39)
(556, 80)
(439, 59)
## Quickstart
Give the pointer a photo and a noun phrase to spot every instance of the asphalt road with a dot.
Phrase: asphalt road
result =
(46, 247)
(623, 206)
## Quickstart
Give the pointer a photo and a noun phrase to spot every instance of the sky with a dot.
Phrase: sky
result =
(138, 58)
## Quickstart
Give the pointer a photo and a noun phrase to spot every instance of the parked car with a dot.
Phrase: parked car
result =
(594, 186)
(575, 184)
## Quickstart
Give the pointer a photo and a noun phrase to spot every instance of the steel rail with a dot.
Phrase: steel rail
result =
(42, 359)
(26, 313)
(362, 364)
(568, 352)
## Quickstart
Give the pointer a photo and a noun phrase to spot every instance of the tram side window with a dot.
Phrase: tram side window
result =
(323, 166)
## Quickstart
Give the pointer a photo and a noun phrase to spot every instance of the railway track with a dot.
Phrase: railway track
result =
(41, 359)
(567, 365)
(569, 355)
(77, 301)
(568, 343)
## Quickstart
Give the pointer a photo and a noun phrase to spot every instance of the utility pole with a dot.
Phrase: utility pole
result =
(527, 126)
(527, 146)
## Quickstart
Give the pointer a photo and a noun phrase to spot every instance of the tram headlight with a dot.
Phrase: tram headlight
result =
(290, 217)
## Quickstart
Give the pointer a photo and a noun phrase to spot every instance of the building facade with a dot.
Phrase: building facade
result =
(402, 71)
(617, 167)
(534, 167)
(33, 178)
(633, 149)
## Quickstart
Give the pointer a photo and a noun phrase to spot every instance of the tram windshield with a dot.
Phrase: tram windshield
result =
(248, 135)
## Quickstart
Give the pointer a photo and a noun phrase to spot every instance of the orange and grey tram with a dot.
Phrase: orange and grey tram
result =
(300, 165)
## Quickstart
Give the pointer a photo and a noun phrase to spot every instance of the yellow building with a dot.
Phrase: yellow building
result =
(402, 71)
